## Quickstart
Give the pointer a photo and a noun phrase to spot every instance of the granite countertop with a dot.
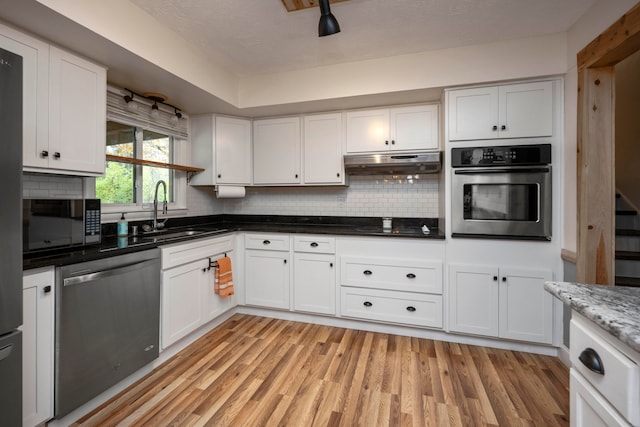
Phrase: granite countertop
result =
(613, 308)
(217, 225)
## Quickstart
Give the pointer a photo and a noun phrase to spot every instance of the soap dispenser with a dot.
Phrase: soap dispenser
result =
(123, 226)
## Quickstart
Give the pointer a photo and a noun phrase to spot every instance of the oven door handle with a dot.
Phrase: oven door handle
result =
(107, 273)
(485, 171)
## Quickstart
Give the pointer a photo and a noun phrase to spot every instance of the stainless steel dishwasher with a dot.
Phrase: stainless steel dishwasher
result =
(107, 324)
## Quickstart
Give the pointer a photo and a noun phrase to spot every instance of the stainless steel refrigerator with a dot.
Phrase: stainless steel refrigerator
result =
(10, 238)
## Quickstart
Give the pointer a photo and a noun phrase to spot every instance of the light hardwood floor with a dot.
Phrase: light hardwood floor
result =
(254, 371)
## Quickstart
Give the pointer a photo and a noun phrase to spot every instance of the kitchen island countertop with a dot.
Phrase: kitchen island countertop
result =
(615, 309)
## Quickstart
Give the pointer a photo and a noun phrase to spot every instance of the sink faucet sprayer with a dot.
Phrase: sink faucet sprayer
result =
(159, 224)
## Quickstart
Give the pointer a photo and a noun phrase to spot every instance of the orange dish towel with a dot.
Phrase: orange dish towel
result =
(224, 279)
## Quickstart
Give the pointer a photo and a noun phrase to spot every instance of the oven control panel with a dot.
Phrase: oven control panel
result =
(516, 155)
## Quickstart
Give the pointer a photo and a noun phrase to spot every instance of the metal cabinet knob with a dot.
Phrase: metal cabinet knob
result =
(386, 143)
(367, 304)
(47, 289)
(331, 264)
(411, 276)
(367, 273)
(504, 279)
(219, 175)
(44, 153)
(411, 309)
(494, 128)
(393, 142)
(503, 127)
(314, 245)
(266, 242)
(56, 155)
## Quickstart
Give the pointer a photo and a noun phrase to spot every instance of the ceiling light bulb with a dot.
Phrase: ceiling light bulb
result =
(131, 105)
(155, 111)
(328, 23)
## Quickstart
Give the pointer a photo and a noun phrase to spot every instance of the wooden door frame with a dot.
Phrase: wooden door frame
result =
(596, 147)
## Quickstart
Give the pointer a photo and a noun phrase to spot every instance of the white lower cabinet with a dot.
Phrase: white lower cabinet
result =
(188, 299)
(392, 280)
(267, 270)
(605, 377)
(314, 278)
(500, 302)
(37, 346)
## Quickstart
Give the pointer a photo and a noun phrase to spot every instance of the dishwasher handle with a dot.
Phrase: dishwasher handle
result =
(97, 275)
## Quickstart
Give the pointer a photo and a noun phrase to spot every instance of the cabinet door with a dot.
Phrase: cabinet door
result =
(276, 151)
(181, 310)
(414, 128)
(233, 151)
(367, 130)
(525, 110)
(473, 300)
(267, 278)
(323, 149)
(473, 113)
(526, 309)
(37, 347)
(77, 113)
(314, 283)
(35, 94)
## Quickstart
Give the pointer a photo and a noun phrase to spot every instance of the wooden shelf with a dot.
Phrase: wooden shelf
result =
(133, 161)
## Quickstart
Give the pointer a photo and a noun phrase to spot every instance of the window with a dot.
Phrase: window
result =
(127, 184)
(137, 134)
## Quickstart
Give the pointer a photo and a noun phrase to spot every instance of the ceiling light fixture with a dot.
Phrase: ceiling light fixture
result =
(328, 23)
(157, 98)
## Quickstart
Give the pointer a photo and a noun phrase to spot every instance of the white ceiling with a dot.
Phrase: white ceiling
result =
(250, 37)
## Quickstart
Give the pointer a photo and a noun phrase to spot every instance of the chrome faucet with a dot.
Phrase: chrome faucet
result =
(157, 225)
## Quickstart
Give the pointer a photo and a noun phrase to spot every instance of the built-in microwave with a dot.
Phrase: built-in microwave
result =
(55, 223)
(501, 192)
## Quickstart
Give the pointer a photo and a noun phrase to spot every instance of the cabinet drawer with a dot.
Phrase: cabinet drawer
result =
(394, 274)
(182, 253)
(314, 244)
(392, 306)
(267, 242)
(620, 383)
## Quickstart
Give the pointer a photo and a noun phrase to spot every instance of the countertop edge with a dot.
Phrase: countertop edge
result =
(613, 308)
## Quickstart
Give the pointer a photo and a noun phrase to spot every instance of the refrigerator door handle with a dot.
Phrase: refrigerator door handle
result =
(6, 351)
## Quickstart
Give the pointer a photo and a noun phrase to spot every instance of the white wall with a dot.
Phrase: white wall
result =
(589, 26)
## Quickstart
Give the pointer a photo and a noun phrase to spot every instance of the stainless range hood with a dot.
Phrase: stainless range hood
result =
(392, 164)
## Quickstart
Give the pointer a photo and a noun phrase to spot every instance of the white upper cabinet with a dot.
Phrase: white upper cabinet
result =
(64, 108)
(233, 150)
(276, 151)
(403, 128)
(322, 148)
(77, 113)
(510, 111)
(221, 146)
(35, 93)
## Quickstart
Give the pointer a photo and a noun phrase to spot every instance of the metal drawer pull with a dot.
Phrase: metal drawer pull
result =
(367, 272)
(411, 276)
(266, 242)
(589, 358)
(368, 304)
(314, 245)
(411, 309)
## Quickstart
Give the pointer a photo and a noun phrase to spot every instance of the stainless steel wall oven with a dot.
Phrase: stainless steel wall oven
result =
(501, 192)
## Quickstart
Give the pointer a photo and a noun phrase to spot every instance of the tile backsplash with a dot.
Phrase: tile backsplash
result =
(375, 195)
(46, 186)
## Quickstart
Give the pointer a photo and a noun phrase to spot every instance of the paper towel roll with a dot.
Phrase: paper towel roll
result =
(229, 191)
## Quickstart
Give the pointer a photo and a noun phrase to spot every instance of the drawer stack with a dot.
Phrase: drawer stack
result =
(407, 291)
